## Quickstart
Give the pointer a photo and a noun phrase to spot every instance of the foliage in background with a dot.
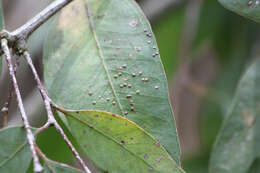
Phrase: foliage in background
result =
(98, 66)
(234, 40)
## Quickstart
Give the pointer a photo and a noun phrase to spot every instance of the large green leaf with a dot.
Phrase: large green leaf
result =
(118, 145)
(15, 153)
(102, 55)
(249, 8)
(238, 141)
(55, 167)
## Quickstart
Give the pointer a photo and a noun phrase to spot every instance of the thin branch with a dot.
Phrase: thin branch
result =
(37, 166)
(6, 107)
(28, 28)
(51, 119)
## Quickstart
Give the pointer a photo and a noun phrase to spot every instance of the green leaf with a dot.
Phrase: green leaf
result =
(249, 8)
(236, 146)
(15, 154)
(116, 144)
(55, 167)
(92, 60)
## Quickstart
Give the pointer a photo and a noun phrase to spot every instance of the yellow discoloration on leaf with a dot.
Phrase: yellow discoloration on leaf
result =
(120, 139)
(73, 15)
(94, 42)
(248, 118)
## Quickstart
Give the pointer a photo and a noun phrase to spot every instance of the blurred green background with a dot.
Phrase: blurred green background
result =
(205, 50)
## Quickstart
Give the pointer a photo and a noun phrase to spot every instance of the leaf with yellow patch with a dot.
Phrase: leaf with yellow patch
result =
(102, 55)
(116, 144)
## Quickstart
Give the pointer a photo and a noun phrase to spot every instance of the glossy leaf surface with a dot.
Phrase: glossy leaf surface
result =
(116, 144)
(102, 55)
(237, 144)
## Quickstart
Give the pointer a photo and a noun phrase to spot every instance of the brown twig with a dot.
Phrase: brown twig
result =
(51, 120)
(28, 28)
(37, 166)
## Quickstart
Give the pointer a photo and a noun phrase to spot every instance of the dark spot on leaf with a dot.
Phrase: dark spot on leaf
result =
(138, 49)
(115, 76)
(247, 117)
(77, 112)
(145, 79)
(100, 16)
(157, 144)
(122, 142)
(114, 115)
(159, 159)
(124, 66)
(84, 131)
(128, 96)
(149, 35)
(250, 3)
(146, 156)
(96, 115)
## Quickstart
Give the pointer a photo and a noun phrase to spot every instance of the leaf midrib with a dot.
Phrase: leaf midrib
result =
(101, 56)
(115, 141)
(110, 138)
